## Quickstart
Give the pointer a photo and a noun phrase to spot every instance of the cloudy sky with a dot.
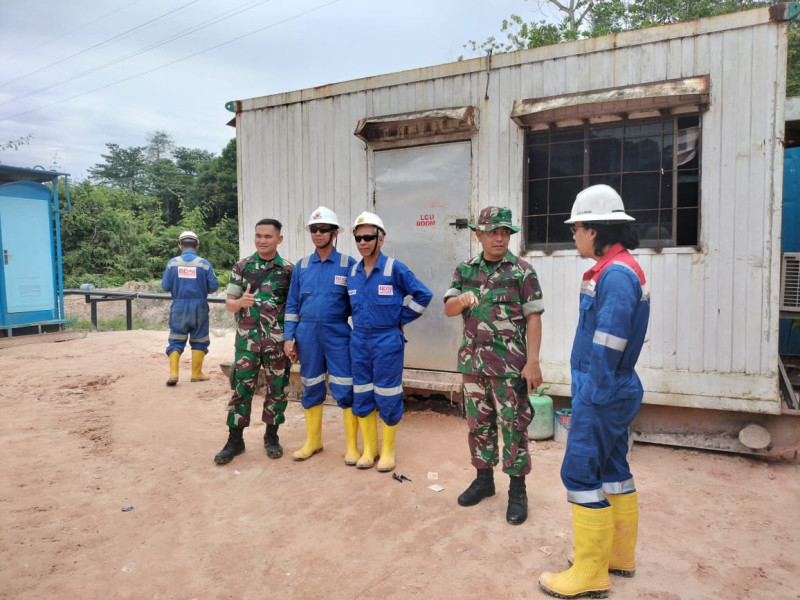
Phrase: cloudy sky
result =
(76, 75)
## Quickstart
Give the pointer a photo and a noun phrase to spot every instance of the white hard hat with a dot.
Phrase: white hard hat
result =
(323, 216)
(188, 235)
(368, 218)
(598, 203)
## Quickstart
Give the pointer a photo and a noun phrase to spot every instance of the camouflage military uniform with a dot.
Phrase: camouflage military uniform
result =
(259, 339)
(492, 355)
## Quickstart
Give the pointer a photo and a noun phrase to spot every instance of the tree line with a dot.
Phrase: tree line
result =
(126, 217)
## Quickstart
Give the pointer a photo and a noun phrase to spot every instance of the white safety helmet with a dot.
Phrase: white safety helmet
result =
(598, 203)
(368, 218)
(323, 216)
(188, 235)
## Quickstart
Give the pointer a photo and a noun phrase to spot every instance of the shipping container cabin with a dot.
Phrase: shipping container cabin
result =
(686, 121)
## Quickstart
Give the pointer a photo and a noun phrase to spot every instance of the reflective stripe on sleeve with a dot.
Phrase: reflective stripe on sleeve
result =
(609, 341)
(417, 308)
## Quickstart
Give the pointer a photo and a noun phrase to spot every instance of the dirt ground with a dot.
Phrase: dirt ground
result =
(88, 429)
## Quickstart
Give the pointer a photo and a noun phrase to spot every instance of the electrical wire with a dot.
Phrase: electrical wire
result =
(213, 21)
(99, 44)
(236, 39)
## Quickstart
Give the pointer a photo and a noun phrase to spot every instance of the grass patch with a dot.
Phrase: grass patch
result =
(117, 324)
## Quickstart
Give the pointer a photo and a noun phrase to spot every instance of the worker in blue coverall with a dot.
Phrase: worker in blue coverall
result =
(189, 279)
(316, 333)
(378, 287)
(606, 395)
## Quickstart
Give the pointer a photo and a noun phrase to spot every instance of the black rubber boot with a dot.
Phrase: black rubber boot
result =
(272, 443)
(233, 447)
(517, 501)
(481, 488)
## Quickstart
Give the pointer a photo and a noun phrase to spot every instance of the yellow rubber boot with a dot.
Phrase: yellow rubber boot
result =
(197, 366)
(386, 463)
(313, 434)
(351, 454)
(369, 434)
(588, 576)
(626, 530)
(174, 364)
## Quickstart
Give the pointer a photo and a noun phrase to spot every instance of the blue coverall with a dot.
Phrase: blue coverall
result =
(316, 316)
(377, 344)
(189, 279)
(606, 392)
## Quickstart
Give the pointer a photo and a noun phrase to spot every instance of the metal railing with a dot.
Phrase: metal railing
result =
(95, 296)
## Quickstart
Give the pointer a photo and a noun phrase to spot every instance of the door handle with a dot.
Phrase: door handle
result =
(460, 223)
(5, 257)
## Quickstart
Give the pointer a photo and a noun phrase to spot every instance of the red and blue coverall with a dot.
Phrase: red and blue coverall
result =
(606, 392)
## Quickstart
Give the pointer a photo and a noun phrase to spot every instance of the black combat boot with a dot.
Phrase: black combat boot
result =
(481, 488)
(233, 447)
(272, 443)
(517, 501)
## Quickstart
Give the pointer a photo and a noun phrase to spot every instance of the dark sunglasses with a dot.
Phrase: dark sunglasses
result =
(366, 238)
(320, 229)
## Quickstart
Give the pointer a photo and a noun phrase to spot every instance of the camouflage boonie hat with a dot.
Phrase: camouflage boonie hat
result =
(493, 217)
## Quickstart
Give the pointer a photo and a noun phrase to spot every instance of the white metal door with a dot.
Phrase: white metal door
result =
(422, 194)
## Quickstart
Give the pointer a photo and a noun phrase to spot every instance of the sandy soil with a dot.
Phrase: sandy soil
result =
(88, 428)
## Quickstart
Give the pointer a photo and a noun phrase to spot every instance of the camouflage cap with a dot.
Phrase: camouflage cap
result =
(493, 217)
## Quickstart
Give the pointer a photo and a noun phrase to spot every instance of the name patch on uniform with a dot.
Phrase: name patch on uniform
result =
(187, 272)
(340, 280)
(352, 292)
(385, 290)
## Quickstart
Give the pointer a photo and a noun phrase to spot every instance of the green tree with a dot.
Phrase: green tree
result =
(116, 234)
(214, 191)
(593, 18)
(124, 168)
(159, 145)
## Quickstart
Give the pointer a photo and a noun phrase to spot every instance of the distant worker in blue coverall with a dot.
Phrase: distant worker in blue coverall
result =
(189, 279)
(606, 395)
(378, 287)
(317, 333)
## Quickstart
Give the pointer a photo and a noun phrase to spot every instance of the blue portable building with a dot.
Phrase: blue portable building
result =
(31, 274)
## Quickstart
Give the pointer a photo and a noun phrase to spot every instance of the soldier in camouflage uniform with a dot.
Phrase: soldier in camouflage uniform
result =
(498, 296)
(257, 291)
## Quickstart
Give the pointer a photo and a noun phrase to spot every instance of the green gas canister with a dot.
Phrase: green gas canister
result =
(541, 427)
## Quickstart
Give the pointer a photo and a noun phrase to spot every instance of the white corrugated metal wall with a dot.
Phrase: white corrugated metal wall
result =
(712, 341)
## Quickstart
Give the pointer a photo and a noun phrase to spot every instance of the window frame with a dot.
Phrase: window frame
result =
(671, 203)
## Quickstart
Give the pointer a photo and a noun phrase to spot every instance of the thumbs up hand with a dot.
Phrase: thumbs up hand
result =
(248, 299)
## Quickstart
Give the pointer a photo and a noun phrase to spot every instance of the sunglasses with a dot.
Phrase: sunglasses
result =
(320, 229)
(366, 238)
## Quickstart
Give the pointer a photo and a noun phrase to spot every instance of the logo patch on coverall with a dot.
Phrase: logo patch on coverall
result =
(340, 280)
(385, 290)
(187, 272)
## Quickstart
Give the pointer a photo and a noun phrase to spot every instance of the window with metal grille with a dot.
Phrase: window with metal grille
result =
(653, 163)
